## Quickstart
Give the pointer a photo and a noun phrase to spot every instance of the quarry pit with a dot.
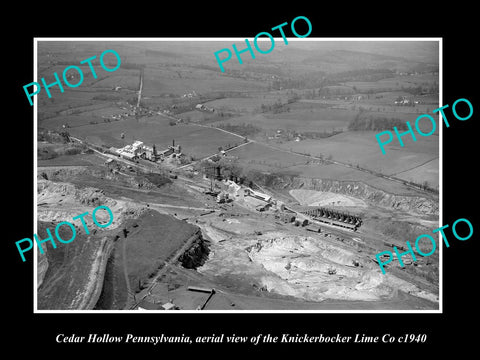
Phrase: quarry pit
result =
(167, 240)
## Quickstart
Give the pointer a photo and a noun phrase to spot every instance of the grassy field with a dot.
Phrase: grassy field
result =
(68, 160)
(125, 78)
(262, 158)
(396, 83)
(243, 104)
(152, 241)
(194, 140)
(257, 156)
(428, 172)
(299, 120)
(158, 82)
(361, 148)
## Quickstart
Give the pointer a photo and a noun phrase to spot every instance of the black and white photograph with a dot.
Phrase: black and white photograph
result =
(208, 179)
(260, 187)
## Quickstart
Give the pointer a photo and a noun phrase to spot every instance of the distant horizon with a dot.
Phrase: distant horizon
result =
(331, 55)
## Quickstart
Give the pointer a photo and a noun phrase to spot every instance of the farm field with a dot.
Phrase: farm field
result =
(68, 100)
(194, 140)
(127, 79)
(428, 172)
(151, 242)
(243, 104)
(70, 160)
(255, 156)
(198, 116)
(361, 147)
(83, 116)
(161, 82)
(314, 120)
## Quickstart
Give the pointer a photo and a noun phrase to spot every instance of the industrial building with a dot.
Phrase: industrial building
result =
(257, 195)
(139, 150)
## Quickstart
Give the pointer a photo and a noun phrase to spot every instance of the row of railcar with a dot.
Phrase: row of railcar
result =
(335, 218)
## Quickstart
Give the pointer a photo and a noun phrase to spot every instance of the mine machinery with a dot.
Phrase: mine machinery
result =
(333, 217)
(214, 173)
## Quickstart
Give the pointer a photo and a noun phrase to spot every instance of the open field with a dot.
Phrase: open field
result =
(194, 140)
(255, 155)
(262, 158)
(318, 120)
(69, 160)
(198, 116)
(161, 82)
(149, 241)
(250, 104)
(362, 148)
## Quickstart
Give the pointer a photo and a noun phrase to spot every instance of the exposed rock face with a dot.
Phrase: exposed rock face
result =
(196, 255)
(42, 267)
(74, 277)
(70, 276)
(417, 204)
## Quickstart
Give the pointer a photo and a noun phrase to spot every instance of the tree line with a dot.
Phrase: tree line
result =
(365, 121)
(240, 129)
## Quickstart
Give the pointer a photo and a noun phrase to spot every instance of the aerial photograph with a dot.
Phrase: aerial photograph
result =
(258, 188)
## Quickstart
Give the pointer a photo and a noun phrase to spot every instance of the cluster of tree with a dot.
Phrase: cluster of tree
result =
(271, 179)
(277, 107)
(46, 153)
(65, 135)
(419, 90)
(73, 150)
(319, 79)
(366, 121)
(240, 129)
(424, 186)
(132, 100)
(53, 137)
(362, 75)
(320, 135)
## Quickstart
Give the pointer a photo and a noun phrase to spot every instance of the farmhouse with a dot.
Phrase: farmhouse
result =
(402, 100)
(202, 107)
